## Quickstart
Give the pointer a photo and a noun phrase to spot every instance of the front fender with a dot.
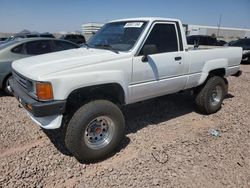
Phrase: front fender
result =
(64, 85)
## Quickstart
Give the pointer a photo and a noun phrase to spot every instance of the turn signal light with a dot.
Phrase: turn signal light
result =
(44, 91)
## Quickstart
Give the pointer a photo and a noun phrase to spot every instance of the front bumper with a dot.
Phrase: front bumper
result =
(46, 114)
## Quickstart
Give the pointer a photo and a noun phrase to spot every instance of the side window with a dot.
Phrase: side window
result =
(18, 49)
(61, 45)
(162, 39)
(38, 47)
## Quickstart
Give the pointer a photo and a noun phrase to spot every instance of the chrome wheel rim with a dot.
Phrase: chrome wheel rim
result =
(99, 132)
(216, 96)
(7, 88)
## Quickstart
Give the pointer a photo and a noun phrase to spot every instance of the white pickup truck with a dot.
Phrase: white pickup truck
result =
(127, 61)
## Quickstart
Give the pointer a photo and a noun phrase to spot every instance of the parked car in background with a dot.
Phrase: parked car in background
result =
(22, 48)
(229, 43)
(76, 38)
(245, 44)
(204, 40)
(246, 56)
(221, 42)
(2, 40)
(46, 35)
(32, 35)
(28, 35)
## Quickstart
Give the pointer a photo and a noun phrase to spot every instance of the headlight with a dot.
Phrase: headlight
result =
(44, 91)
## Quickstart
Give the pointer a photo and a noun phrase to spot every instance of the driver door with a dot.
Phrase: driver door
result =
(159, 67)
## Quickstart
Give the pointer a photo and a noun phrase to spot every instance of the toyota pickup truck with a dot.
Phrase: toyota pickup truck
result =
(126, 61)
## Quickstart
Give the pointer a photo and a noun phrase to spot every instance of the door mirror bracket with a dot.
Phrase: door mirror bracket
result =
(148, 50)
(144, 58)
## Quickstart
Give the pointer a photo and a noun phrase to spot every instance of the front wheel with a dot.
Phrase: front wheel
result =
(211, 96)
(95, 130)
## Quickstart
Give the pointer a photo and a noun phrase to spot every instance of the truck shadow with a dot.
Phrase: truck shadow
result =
(140, 115)
(161, 109)
(56, 137)
(157, 110)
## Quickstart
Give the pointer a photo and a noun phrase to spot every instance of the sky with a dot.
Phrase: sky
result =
(69, 15)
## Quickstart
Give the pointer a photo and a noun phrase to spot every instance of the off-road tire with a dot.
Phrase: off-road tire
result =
(75, 137)
(204, 97)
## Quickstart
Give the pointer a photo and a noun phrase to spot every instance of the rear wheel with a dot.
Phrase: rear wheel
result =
(95, 130)
(211, 96)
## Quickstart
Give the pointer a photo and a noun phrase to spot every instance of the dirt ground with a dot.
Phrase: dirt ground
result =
(167, 144)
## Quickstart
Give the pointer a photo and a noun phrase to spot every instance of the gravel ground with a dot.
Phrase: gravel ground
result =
(167, 144)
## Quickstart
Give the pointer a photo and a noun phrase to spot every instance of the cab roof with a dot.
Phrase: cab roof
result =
(151, 19)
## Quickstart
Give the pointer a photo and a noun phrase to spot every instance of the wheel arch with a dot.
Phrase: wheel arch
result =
(217, 67)
(110, 91)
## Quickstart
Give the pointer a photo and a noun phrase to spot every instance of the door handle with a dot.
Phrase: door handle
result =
(177, 58)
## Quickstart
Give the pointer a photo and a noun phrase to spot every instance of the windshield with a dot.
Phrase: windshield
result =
(120, 36)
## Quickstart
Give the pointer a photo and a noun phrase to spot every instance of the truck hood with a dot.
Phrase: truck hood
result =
(42, 65)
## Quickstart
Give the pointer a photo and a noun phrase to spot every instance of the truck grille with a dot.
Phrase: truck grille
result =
(23, 82)
(20, 80)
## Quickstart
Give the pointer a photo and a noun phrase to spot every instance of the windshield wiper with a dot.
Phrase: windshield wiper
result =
(106, 46)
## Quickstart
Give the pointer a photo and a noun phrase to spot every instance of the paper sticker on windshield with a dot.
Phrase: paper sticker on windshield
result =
(133, 24)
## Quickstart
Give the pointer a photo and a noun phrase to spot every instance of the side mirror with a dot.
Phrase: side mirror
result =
(148, 49)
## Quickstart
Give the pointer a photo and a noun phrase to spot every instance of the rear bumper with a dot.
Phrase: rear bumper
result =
(46, 114)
